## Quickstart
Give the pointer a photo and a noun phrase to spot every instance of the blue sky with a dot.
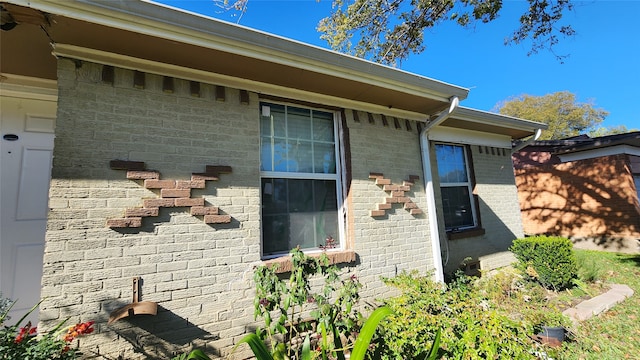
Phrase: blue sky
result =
(603, 66)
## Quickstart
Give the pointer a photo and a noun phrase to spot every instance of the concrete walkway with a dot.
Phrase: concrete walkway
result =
(598, 304)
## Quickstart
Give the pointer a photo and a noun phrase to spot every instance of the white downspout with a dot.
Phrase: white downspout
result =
(527, 142)
(428, 184)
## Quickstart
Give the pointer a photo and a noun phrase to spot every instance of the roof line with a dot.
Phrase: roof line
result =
(174, 24)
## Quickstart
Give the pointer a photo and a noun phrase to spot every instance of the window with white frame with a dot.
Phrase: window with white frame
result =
(456, 187)
(299, 178)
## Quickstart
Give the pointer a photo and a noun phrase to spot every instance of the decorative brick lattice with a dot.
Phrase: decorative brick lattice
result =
(397, 195)
(173, 193)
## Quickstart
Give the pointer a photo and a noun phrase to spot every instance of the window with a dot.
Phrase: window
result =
(456, 187)
(299, 180)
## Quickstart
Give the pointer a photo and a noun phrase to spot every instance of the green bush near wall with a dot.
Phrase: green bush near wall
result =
(550, 260)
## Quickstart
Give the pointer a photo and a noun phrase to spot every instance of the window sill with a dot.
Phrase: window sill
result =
(335, 257)
(466, 233)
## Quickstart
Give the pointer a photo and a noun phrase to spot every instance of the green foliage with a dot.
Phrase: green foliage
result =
(196, 354)
(560, 110)
(282, 303)
(389, 31)
(471, 327)
(547, 260)
(610, 130)
(23, 342)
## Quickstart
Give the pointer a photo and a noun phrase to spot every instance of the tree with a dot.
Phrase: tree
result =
(565, 116)
(611, 130)
(388, 31)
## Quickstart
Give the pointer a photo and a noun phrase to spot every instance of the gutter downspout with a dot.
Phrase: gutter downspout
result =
(527, 142)
(428, 184)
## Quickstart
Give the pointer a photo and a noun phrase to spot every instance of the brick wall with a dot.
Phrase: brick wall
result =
(592, 201)
(199, 274)
(386, 245)
(499, 213)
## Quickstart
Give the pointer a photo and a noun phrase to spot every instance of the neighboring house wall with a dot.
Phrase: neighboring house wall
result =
(199, 274)
(592, 201)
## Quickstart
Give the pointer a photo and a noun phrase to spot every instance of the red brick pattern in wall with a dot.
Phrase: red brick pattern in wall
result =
(173, 193)
(397, 195)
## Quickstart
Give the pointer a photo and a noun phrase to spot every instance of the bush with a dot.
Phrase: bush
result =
(548, 260)
(472, 328)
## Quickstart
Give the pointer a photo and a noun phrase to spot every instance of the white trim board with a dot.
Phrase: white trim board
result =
(595, 153)
(469, 137)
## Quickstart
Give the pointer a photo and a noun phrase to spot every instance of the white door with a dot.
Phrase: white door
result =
(26, 148)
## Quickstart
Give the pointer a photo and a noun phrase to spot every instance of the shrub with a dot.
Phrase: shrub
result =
(471, 327)
(548, 260)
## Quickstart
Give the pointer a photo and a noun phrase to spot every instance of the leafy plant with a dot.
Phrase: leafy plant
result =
(24, 342)
(196, 354)
(548, 260)
(471, 327)
(282, 303)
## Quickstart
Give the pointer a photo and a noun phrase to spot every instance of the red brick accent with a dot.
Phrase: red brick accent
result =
(141, 212)
(124, 223)
(159, 184)
(204, 210)
(217, 219)
(175, 193)
(186, 201)
(376, 213)
(151, 203)
(397, 195)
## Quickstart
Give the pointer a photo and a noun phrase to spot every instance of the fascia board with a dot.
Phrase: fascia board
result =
(177, 25)
(469, 137)
(485, 117)
(595, 153)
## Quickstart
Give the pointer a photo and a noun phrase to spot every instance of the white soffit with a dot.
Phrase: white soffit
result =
(595, 153)
(469, 137)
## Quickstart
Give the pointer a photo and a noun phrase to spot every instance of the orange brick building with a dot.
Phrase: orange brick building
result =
(583, 188)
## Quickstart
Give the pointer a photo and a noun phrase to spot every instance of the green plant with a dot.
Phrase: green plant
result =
(196, 354)
(282, 303)
(24, 342)
(548, 260)
(471, 327)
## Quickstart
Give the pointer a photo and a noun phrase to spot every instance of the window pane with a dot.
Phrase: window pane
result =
(324, 159)
(266, 156)
(298, 213)
(451, 163)
(323, 126)
(300, 156)
(279, 121)
(299, 123)
(456, 204)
